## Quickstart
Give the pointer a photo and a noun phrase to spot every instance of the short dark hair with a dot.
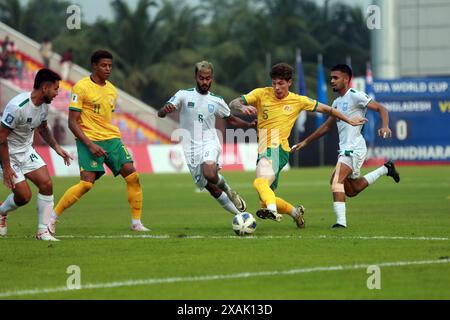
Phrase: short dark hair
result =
(282, 71)
(99, 55)
(344, 69)
(45, 75)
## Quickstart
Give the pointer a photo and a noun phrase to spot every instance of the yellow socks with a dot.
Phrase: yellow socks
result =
(72, 195)
(266, 194)
(134, 191)
(284, 207)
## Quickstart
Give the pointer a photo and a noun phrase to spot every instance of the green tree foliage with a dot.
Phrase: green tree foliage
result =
(37, 19)
(156, 44)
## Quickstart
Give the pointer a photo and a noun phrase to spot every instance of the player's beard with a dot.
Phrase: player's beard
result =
(203, 89)
(47, 100)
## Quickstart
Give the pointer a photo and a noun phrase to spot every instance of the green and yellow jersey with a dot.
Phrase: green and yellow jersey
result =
(276, 117)
(96, 104)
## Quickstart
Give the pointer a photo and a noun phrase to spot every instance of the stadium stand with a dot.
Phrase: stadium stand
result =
(137, 121)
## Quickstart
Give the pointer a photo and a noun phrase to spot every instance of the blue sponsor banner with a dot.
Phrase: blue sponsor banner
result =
(419, 113)
(412, 88)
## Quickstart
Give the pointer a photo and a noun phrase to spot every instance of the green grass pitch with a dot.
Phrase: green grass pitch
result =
(192, 252)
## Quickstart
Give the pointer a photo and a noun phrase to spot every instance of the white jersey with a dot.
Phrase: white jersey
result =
(352, 103)
(22, 117)
(198, 114)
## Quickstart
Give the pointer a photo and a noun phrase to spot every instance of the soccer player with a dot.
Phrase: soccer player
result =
(98, 141)
(19, 161)
(198, 111)
(346, 180)
(277, 110)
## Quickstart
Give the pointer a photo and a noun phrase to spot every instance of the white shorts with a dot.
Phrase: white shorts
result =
(355, 161)
(209, 153)
(23, 163)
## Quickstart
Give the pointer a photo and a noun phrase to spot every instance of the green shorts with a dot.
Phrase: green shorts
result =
(279, 158)
(118, 155)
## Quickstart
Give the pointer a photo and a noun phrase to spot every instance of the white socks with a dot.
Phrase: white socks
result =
(373, 176)
(226, 203)
(339, 210)
(294, 213)
(45, 208)
(136, 221)
(8, 205)
(272, 207)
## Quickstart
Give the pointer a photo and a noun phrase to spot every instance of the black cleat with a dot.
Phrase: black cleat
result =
(338, 226)
(265, 213)
(392, 172)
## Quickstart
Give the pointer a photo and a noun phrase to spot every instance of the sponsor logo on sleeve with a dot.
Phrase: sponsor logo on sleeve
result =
(9, 119)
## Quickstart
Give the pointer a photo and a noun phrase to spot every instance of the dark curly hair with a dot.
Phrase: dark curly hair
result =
(282, 71)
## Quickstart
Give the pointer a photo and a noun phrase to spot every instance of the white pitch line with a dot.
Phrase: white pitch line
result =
(124, 236)
(193, 237)
(152, 281)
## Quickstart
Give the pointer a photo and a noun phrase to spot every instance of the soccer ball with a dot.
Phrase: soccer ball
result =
(244, 224)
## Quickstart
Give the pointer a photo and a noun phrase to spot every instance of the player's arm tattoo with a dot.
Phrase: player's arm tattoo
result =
(237, 104)
(4, 152)
(47, 135)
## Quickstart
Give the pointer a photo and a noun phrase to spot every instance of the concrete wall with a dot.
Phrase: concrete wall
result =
(424, 33)
(414, 39)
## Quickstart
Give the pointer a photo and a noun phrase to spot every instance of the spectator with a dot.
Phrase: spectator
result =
(46, 51)
(66, 64)
(4, 71)
(122, 125)
(141, 138)
(59, 132)
(11, 47)
(19, 68)
(5, 44)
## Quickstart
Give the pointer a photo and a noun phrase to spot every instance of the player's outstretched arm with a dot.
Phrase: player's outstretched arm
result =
(8, 173)
(168, 108)
(384, 131)
(74, 126)
(239, 123)
(355, 121)
(48, 137)
(322, 130)
(239, 105)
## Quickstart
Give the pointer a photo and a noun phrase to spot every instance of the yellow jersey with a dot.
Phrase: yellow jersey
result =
(276, 117)
(96, 104)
